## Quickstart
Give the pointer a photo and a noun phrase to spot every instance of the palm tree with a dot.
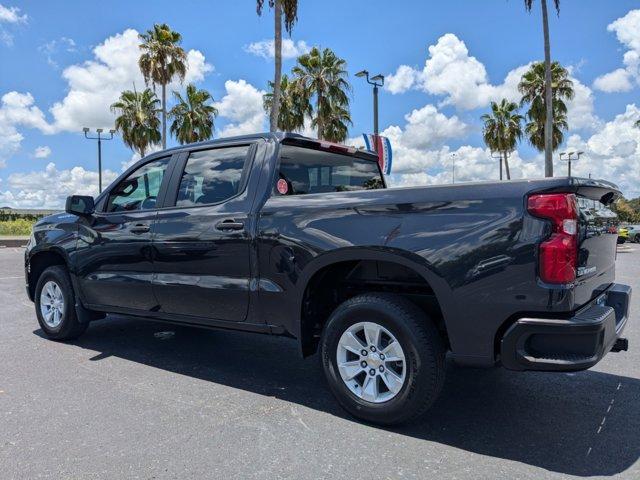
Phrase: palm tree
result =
(193, 115)
(502, 129)
(548, 159)
(534, 130)
(293, 107)
(335, 124)
(532, 86)
(137, 119)
(290, 10)
(323, 75)
(162, 59)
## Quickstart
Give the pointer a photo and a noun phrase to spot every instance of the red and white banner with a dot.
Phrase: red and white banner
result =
(382, 146)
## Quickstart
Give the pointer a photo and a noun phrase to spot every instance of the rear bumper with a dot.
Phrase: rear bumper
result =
(570, 344)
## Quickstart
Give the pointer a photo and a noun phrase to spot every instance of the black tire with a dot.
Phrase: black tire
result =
(621, 240)
(70, 327)
(420, 341)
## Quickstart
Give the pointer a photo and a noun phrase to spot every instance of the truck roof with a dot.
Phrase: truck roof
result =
(288, 138)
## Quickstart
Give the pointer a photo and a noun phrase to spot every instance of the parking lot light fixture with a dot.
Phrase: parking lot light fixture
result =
(99, 138)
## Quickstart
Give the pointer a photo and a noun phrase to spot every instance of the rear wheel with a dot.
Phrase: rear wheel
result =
(55, 305)
(383, 358)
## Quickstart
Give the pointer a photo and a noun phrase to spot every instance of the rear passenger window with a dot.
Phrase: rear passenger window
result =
(315, 171)
(212, 176)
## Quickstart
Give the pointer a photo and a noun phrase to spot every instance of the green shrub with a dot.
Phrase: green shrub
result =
(16, 227)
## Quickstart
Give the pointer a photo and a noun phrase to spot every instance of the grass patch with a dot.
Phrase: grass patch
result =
(19, 227)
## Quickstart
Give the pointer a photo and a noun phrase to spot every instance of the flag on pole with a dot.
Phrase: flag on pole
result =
(382, 146)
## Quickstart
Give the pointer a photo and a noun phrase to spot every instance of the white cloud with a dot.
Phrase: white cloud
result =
(6, 38)
(426, 127)
(420, 156)
(471, 164)
(42, 152)
(135, 156)
(290, 49)
(18, 110)
(92, 87)
(580, 110)
(612, 153)
(627, 30)
(95, 84)
(242, 106)
(402, 80)
(53, 47)
(617, 81)
(49, 188)
(451, 72)
(11, 15)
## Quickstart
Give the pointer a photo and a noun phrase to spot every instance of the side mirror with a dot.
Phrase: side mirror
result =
(80, 205)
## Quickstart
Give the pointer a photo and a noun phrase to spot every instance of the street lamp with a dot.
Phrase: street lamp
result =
(569, 159)
(499, 158)
(376, 81)
(99, 138)
(453, 167)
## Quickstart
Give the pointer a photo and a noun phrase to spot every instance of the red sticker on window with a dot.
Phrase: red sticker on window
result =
(282, 186)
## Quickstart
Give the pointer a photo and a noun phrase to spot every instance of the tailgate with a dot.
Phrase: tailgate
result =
(597, 238)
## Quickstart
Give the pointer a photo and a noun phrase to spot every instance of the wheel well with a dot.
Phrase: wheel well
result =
(338, 282)
(38, 264)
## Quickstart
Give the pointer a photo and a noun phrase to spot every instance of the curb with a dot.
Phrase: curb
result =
(13, 241)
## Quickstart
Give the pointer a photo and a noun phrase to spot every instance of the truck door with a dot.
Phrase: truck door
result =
(201, 240)
(115, 261)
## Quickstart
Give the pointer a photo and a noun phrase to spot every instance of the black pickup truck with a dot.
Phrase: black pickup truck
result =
(286, 235)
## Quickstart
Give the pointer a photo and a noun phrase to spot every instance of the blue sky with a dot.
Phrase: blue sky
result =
(429, 112)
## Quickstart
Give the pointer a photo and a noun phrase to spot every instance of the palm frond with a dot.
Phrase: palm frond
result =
(137, 119)
(193, 115)
(321, 76)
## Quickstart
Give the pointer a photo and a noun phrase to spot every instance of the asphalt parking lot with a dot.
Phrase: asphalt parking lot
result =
(123, 402)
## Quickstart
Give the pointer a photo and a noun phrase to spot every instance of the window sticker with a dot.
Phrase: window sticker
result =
(282, 186)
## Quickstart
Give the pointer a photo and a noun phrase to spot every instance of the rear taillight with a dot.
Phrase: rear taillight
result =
(559, 253)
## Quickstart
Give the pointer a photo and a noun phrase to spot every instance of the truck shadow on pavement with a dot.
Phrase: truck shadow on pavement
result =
(585, 424)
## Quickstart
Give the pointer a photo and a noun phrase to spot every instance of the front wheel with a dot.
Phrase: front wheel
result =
(383, 358)
(55, 305)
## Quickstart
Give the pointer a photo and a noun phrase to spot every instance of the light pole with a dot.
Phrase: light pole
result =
(579, 154)
(499, 158)
(453, 167)
(373, 81)
(569, 159)
(99, 138)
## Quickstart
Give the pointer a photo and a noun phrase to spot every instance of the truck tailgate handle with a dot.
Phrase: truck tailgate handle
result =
(229, 224)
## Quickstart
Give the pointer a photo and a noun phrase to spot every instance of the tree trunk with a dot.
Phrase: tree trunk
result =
(164, 116)
(548, 98)
(319, 123)
(277, 44)
(506, 165)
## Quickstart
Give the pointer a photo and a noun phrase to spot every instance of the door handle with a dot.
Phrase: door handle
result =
(229, 224)
(139, 228)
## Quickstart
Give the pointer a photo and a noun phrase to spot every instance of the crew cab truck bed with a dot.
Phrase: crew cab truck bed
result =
(282, 234)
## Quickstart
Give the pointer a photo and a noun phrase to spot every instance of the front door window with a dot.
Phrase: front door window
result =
(139, 191)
